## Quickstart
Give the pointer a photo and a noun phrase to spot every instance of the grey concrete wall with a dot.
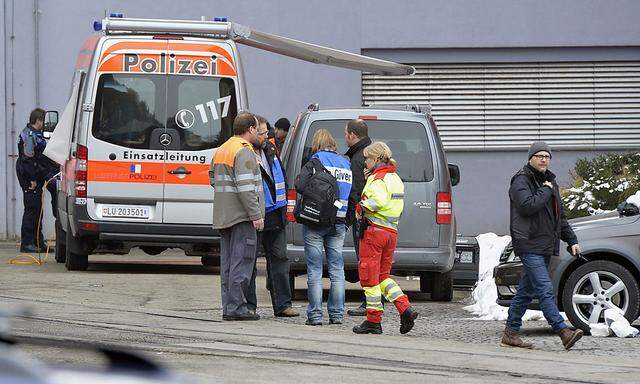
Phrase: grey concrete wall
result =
(281, 86)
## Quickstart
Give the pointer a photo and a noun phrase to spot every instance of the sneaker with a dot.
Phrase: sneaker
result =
(360, 311)
(288, 312)
(407, 320)
(510, 338)
(335, 321)
(313, 322)
(570, 337)
(368, 327)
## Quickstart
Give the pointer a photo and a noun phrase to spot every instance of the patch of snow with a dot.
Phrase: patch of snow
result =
(485, 293)
(600, 330)
(634, 199)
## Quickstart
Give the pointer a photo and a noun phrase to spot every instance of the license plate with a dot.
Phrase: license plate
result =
(125, 211)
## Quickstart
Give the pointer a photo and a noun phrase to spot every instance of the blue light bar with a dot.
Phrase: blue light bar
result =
(221, 19)
(97, 26)
(118, 15)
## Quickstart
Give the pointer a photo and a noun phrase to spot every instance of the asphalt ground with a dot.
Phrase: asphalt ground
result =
(168, 308)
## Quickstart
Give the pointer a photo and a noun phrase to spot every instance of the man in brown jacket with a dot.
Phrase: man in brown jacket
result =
(238, 212)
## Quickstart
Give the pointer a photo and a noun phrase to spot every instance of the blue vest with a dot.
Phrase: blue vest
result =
(340, 168)
(281, 192)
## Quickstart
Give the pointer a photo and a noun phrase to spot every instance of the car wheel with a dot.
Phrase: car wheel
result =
(61, 249)
(597, 286)
(153, 251)
(442, 286)
(425, 281)
(76, 260)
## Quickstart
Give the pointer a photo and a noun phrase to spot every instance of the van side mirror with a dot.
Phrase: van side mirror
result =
(50, 121)
(454, 174)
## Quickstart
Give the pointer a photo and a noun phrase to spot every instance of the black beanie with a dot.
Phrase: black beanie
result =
(538, 146)
(283, 123)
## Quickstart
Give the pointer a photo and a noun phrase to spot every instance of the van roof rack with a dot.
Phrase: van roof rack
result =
(417, 108)
(244, 35)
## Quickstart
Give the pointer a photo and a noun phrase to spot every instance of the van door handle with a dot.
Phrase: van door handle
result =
(180, 171)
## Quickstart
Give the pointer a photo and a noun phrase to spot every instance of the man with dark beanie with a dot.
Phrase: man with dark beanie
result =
(282, 126)
(537, 225)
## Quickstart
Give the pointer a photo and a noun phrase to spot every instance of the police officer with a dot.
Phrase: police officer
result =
(30, 169)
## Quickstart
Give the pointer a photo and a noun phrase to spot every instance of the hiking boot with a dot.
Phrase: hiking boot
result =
(510, 338)
(313, 323)
(249, 316)
(368, 327)
(288, 312)
(407, 320)
(360, 311)
(569, 337)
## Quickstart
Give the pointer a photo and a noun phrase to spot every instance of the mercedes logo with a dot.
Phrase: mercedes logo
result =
(165, 139)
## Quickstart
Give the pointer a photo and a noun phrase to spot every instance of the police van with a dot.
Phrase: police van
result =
(150, 102)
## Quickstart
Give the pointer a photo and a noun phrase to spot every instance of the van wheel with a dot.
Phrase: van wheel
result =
(210, 261)
(76, 258)
(425, 281)
(442, 287)
(61, 249)
(596, 286)
(151, 250)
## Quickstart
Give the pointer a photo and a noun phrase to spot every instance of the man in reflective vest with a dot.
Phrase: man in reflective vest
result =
(381, 206)
(273, 237)
(238, 212)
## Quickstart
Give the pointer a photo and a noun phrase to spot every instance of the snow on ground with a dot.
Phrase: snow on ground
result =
(484, 294)
(634, 199)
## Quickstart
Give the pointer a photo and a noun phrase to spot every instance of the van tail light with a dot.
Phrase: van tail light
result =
(82, 157)
(444, 208)
(291, 204)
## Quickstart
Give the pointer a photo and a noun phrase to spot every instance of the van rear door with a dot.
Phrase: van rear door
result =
(411, 148)
(125, 172)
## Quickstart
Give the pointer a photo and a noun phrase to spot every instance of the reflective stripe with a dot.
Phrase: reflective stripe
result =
(224, 188)
(282, 197)
(249, 188)
(280, 185)
(374, 298)
(382, 222)
(223, 177)
(391, 290)
(397, 196)
(245, 176)
(341, 214)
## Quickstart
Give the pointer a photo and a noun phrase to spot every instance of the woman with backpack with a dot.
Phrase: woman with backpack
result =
(324, 184)
(380, 208)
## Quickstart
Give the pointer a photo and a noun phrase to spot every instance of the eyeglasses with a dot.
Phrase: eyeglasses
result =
(263, 133)
(542, 157)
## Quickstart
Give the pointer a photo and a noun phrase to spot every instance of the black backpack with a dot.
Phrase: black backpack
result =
(316, 207)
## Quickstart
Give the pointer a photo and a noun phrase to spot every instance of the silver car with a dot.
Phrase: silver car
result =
(426, 243)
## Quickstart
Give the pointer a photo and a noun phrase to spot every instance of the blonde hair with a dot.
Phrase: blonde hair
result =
(380, 153)
(322, 139)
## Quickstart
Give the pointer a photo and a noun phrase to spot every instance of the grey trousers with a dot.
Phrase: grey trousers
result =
(237, 258)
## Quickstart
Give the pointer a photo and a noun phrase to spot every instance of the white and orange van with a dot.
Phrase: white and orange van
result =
(151, 101)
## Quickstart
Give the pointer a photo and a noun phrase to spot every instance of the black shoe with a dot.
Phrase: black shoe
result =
(244, 317)
(313, 322)
(360, 311)
(335, 321)
(407, 320)
(368, 327)
(29, 248)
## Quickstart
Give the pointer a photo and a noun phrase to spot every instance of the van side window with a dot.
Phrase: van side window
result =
(407, 139)
(128, 108)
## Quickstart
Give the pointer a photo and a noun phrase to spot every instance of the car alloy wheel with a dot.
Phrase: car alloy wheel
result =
(597, 291)
(596, 286)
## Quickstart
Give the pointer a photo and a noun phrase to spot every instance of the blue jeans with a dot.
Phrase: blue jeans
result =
(331, 240)
(535, 281)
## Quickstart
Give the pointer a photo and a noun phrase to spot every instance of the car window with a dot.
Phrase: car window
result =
(202, 109)
(128, 108)
(407, 140)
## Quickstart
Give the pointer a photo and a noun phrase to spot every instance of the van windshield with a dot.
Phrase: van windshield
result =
(129, 109)
(407, 140)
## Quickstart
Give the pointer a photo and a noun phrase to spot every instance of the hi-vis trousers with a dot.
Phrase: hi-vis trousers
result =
(376, 256)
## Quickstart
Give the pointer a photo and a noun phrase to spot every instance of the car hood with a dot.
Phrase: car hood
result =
(603, 220)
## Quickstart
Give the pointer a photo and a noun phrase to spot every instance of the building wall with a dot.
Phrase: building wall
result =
(281, 86)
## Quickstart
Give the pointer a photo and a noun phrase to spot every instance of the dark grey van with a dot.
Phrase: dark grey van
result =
(426, 243)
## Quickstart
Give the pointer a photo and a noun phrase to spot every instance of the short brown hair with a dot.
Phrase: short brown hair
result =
(36, 114)
(322, 139)
(243, 122)
(358, 127)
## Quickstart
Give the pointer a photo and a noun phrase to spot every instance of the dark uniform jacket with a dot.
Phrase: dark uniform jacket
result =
(30, 164)
(276, 219)
(538, 222)
(357, 171)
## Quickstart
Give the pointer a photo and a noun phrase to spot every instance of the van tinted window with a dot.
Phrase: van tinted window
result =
(128, 108)
(202, 109)
(407, 139)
